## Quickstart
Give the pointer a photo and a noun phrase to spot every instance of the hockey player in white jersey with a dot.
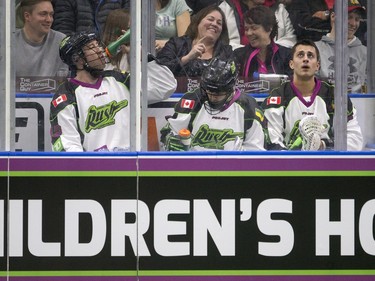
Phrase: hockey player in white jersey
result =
(217, 114)
(300, 112)
(91, 111)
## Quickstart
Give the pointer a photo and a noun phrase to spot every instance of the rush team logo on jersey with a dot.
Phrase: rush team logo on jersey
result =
(213, 138)
(273, 100)
(103, 116)
(187, 103)
(59, 100)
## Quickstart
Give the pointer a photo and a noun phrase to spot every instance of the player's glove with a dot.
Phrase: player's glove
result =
(311, 130)
(173, 143)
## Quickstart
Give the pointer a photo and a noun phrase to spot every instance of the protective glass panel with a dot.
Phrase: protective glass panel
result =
(38, 76)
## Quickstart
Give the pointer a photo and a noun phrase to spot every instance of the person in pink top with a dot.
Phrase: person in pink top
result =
(261, 54)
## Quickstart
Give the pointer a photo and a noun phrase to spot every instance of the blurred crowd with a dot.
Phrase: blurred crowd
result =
(258, 33)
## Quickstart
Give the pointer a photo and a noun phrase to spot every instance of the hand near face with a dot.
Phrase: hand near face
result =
(198, 49)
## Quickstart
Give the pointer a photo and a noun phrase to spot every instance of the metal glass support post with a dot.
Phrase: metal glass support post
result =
(341, 74)
(7, 76)
(370, 43)
(151, 22)
(135, 77)
(147, 27)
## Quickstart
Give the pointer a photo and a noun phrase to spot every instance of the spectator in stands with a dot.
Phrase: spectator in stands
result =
(19, 17)
(91, 111)
(285, 33)
(79, 15)
(118, 21)
(286, 2)
(36, 44)
(300, 112)
(357, 53)
(197, 5)
(310, 18)
(262, 55)
(218, 116)
(362, 30)
(206, 37)
(172, 19)
(234, 11)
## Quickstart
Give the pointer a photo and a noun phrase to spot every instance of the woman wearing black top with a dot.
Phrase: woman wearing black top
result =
(205, 38)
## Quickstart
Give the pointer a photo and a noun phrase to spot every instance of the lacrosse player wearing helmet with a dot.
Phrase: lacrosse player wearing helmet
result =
(91, 111)
(300, 112)
(218, 116)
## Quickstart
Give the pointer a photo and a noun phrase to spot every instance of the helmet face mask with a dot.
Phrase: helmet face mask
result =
(217, 84)
(72, 48)
(216, 94)
(94, 55)
(217, 101)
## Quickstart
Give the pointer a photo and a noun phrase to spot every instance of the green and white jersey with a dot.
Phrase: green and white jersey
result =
(96, 117)
(239, 127)
(285, 107)
(87, 117)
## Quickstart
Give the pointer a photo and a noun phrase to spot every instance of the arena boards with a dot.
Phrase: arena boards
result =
(187, 217)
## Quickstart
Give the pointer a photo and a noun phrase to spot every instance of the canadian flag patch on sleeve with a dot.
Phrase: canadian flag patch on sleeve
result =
(59, 100)
(187, 103)
(273, 100)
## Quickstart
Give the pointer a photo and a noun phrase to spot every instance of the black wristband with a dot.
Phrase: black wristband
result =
(328, 143)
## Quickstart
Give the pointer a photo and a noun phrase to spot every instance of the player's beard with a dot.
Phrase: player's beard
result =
(215, 107)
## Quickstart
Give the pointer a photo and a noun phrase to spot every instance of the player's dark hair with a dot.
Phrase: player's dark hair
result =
(306, 42)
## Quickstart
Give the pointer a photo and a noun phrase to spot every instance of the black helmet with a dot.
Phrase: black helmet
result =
(71, 46)
(219, 76)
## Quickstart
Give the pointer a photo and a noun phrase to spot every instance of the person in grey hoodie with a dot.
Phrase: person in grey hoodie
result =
(357, 52)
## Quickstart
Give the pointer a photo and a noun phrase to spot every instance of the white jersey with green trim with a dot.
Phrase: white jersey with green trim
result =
(285, 107)
(96, 117)
(239, 127)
